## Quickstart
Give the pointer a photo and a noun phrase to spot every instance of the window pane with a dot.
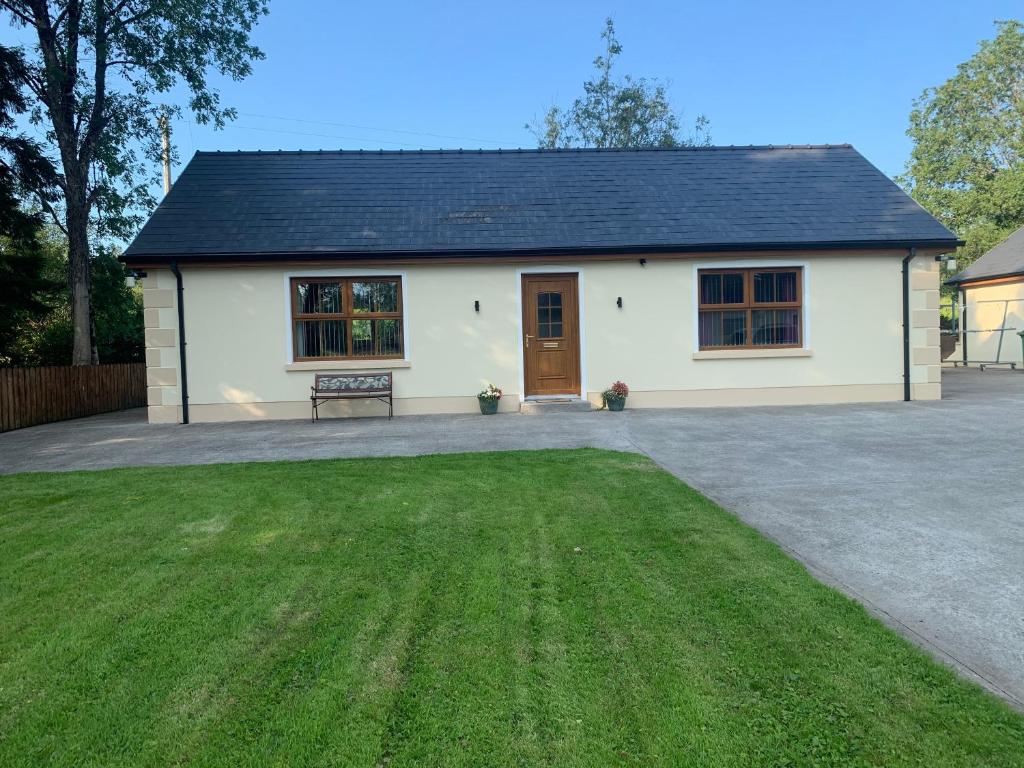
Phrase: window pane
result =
(710, 289)
(773, 327)
(376, 338)
(772, 287)
(764, 287)
(722, 329)
(318, 298)
(732, 289)
(721, 289)
(306, 299)
(375, 296)
(320, 338)
(785, 286)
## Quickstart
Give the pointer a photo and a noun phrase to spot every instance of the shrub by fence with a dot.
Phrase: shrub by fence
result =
(31, 396)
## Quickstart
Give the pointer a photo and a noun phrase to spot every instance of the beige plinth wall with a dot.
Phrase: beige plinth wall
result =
(992, 306)
(239, 340)
(159, 299)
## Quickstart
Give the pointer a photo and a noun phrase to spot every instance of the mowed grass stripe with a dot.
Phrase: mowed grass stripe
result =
(568, 608)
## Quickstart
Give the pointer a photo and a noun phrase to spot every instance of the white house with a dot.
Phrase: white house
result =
(703, 276)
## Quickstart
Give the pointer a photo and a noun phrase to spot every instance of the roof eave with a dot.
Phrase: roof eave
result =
(511, 253)
(961, 280)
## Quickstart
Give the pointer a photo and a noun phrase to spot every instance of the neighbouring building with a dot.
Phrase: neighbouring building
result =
(992, 304)
(702, 277)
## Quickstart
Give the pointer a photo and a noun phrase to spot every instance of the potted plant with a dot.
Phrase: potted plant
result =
(615, 396)
(488, 400)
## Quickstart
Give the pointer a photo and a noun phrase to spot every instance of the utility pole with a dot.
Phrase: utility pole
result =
(165, 153)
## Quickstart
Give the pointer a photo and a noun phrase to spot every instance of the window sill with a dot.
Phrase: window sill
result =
(347, 365)
(743, 354)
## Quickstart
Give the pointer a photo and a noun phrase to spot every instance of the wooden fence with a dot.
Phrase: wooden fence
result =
(31, 396)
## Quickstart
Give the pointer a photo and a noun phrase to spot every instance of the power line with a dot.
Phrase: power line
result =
(326, 136)
(385, 130)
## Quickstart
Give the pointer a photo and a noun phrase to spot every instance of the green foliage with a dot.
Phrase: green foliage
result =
(117, 316)
(543, 608)
(23, 287)
(967, 165)
(632, 112)
(98, 79)
(112, 65)
(22, 165)
(43, 334)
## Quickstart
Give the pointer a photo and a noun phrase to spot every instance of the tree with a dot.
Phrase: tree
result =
(40, 334)
(22, 164)
(967, 164)
(633, 112)
(45, 336)
(23, 284)
(95, 76)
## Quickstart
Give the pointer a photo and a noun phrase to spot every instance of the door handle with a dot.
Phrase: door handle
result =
(528, 337)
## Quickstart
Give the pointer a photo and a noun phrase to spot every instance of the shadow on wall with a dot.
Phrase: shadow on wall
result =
(247, 399)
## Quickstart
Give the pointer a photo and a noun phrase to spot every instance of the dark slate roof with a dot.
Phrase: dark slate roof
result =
(452, 202)
(1005, 260)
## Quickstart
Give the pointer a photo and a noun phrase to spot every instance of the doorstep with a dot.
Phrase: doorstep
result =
(548, 405)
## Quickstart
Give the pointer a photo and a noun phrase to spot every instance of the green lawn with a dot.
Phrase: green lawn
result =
(563, 608)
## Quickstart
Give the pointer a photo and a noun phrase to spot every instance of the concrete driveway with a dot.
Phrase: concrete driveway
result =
(916, 510)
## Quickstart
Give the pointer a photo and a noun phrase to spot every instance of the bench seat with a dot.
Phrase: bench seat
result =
(375, 385)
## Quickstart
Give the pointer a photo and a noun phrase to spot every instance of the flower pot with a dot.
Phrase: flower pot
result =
(488, 406)
(615, 403)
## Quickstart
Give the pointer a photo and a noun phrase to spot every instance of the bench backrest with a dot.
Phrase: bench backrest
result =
(353, 382)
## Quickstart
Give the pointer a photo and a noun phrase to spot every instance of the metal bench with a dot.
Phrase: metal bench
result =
(351, 386)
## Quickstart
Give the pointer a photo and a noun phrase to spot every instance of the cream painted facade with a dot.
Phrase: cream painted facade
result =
(988, 308)
(239, 339)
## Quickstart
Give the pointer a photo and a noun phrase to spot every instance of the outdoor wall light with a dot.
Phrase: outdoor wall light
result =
(476, 305)
(618, 302)
(643, 262)
(133, 277)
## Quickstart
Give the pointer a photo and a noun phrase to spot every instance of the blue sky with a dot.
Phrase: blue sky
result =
(470, 74)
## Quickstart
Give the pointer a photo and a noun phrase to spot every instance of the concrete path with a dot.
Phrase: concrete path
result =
(916, 510)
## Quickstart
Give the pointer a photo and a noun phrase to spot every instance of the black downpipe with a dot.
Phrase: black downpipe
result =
(911, 253)
(181, 342)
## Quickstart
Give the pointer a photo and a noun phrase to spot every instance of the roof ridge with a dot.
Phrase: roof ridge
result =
(523, 151)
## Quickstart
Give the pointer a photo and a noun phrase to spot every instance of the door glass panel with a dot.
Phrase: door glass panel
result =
(549, 315)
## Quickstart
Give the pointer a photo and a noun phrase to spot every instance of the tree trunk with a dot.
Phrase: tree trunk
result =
(78, 272)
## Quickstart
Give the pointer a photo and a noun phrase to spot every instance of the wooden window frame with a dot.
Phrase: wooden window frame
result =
(348, 315)
(749, 306)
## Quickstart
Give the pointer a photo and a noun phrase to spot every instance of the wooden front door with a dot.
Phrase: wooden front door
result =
(551, 335)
